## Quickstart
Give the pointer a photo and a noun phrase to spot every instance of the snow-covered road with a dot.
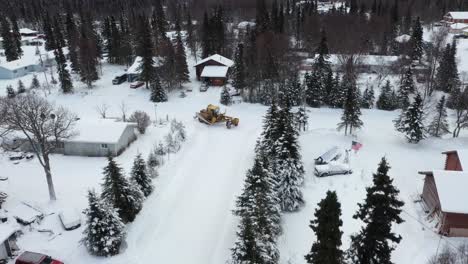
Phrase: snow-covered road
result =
(189, 218)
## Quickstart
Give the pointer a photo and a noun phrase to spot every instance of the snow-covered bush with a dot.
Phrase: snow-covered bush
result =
(142, 120)
(141, 177)
(178, 129)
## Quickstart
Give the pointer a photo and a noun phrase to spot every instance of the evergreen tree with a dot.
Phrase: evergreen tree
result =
(169, 70)
(35, 83)
(206, 42)
(326, 226)
(314, 89)
(50, 41)
(226, 98)
(439, 125)
(21, 89)
(447, 77)
(181, 66)
(88, 59)
(123, 194)
(262, 21)
(160, 19)
(145, 50)
(337, 94)
(270, 130)
(16, 35)
(417, 40)
(386, 98)
(8, 42)
(350, 120)
(64, 76)
(72, 37)
(379, 212)
(410, 121)
(407, 87)
(140, 176)
(322, 48)
(287, 163)
(58, 34)
(239, 78)
(368, 98)
(329, 89)
(10, 91)
(104, 231)
(158, 94)
(246, 249)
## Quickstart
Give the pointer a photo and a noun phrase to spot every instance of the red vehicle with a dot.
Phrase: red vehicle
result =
(136, 84)
(28, 257)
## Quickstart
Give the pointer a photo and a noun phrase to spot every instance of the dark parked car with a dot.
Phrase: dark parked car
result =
(119, 79)
(36, 258)
(461, 36)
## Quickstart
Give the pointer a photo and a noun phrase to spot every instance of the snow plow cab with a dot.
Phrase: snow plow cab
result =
(211, 115)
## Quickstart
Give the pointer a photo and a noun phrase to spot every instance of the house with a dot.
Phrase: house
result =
(18, 68)
(94, 138)
(214, 69)
(34, 59)
(456, 17)
(444, 195)
(26, 32)
(7, 239)
(134, 71)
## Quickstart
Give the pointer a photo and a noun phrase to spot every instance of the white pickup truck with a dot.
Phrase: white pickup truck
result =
(332, 168)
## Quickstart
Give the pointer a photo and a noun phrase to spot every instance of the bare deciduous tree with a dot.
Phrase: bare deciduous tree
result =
(123, 111)
(102, 110)
(43, 125)
(142, 120)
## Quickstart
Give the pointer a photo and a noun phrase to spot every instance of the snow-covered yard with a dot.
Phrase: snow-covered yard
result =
(188, 219)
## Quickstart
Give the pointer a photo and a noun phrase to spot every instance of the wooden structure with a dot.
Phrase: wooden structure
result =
(444, 194)
(214, 70)
(456, 17)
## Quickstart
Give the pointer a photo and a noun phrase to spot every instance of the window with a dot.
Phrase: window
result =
(26, 67)
(104, 146)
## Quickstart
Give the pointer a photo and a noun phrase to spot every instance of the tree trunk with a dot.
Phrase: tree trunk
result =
(50, 183)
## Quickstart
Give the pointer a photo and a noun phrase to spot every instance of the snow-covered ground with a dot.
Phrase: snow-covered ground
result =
(188, 219)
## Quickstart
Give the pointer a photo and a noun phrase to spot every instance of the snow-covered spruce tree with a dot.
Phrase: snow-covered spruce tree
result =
(379, 212)
(407, 88)
(259, 211)
(410, 121)
(8, 42)
(10, 91)
(329, 89)
(226, 98)
(386, 100)
(153, 160)
(21, 88)
(144, 48)
(337, 94)
(326, 226)
(368, 98)
(270, 133)
(140, 176)
(104, 231)
(239, 75)
(416, 40)
(351, 118)
(64, 76)
(286, 162)
(314, 89)
(293, 91)
(16, 35)
(122, 193)
(182, 71)
(447, 77)
(35, 83)
(178, 129)
(439, 125)
(158, 93)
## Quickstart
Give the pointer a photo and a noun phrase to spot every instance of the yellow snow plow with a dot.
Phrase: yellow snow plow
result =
(211, 115)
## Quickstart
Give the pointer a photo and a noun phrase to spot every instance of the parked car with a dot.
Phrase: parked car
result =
(329, 156)
(136, 84)
(16, 156)
(204, 87)
(461, 36)
(332, 168)
(119, 79)
(28, 257)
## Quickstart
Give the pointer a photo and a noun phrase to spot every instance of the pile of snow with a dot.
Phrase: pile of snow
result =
(7, 229)
(403, 38)
(25, 214)
(70, 218)
(100, 131)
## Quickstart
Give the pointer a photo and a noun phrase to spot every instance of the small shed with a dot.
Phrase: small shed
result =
(444, 196)
(214, 69)
(100, 138)
(7, 239)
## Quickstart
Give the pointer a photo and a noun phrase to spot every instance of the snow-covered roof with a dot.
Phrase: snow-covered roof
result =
(463, 157)
(99, 131)
(451, 187)
(18, 64)
(245, 24)
(459, 15)
(403, 38)
(29, 58)
(27, 31)
(7, 229)
(376, 60)
(218, 58)
(136, 66)
(214, 71)
(459, 26)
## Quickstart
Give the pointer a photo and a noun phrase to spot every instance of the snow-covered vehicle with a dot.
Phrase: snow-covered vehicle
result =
(28, 257)
(136, 84)
(204, 87)
(329, 156)
(70, 219)
(332, 168)
(119, 79)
